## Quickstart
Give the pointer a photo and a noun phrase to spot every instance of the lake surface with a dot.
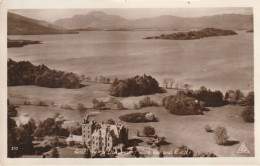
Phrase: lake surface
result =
(223, 63)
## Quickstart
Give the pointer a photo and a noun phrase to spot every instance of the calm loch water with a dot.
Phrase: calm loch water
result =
(223, 63)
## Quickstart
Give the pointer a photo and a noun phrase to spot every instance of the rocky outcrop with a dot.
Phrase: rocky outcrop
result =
(207, 32)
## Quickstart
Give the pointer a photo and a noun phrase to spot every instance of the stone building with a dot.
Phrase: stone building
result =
(104, 137)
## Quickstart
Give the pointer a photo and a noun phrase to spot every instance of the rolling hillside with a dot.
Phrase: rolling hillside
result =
(19, 25)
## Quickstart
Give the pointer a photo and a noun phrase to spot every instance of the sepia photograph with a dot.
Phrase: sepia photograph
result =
(130, 83)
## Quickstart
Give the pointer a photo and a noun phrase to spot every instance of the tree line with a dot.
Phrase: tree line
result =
(135, 86)
(25, 73)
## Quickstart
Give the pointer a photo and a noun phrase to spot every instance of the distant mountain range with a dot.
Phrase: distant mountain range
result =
(97, 19)
(20, 25)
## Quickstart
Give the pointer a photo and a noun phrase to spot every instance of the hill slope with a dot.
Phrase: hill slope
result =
(93, 19)
(166, 22)
(19, 25)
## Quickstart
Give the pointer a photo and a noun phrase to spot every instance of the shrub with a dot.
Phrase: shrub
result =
(161, 154)
(111, 121)
(120, 106)
(183, 151)
(99, 105)
(162, 141)
(68, 107)
(12, 112)
(81, 107)
(250, 99)
(148, 131)
(221, 136)
(55, 153)
(41, 103)
(248, 114)
(208, 128)
(136, 107)
(135, 86)
(180, 104)
(137, 118)
(146, 102)
(62, 144)
(71, 143)
(27, 103)
(205, 155)
(135, 152)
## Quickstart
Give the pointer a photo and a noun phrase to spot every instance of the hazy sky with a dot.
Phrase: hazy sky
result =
(51, 15)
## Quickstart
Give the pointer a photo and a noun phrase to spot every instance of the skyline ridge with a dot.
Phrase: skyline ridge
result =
(52, 15)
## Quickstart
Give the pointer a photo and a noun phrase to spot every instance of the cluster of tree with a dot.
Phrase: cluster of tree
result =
(135, 86)
(148, 131)
(41, 103)
(19, 138)
(211, 98)
(135, 153)
(137, 118)
(147, 102)
(181, 104)
(98, 104)
(221, 136)
(238, 97)
(12, 112)
(207, 32)
(51, 126)
(25, 73)
(102, 79)
(170, 83)
(216, 98)
(248, 114)
(82, 109)
(77, 131)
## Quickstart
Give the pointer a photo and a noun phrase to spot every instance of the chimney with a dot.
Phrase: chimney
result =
(86, 119)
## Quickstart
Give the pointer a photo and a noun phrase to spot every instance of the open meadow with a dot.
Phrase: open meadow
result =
(178, 130)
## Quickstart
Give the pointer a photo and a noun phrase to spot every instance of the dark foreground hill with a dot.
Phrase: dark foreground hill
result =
(25, 73)
(207, 32)
(20, 25)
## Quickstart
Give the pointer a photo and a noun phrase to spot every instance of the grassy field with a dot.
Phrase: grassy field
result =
(178, 130)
